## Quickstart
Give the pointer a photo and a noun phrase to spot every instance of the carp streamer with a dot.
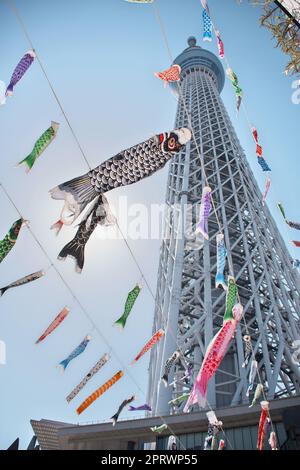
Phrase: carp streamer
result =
(20, 70)
(207, 26)
(263, 422)
(220, 45)
(155, 338)
(78, 350)
(205, 209)
(124, 403)
(127, 167)
(236, 86)
(130, 301)
(252, 375)
(169, 363)
(221, 261)
(86, 403)
(22, 281)
(214, 356)
(56, 322)
(267, 188)
(291, 224)
(104, 359)
(10, 238)
(144, 407)
(172, 74)
(41, 144)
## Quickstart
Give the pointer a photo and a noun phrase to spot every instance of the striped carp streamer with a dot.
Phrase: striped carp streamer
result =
(291, 224)
(86, 403)
(144, 407)
(259, 151)
(177, 401)
(236, 86)
(214, 355)
(130, 301)
(159, 429)
(252, 375)
(220, 45)
(296, 243)
(205, 209)
(10, 238)
(56, 322)
(20, 70)
(127, 167)
(262, 423)
(266, 191)
(273, 441)
(78, 350)
(124, 403)
(248, 350)
(22, 281)
(221, 261)
(104, 359)
(258, 392)
(207, 26)
(231, 297)
(155, 338)
(40, 145)
(168, 366)
(172, 74)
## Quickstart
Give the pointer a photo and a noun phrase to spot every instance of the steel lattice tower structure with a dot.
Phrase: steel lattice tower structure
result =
(188, 306)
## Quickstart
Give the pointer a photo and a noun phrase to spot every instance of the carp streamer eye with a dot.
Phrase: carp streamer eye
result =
(171, 143)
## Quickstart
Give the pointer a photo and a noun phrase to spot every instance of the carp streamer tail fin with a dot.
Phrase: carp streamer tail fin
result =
(76, 251)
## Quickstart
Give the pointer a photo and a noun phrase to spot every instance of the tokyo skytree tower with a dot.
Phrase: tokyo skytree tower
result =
(188, 306)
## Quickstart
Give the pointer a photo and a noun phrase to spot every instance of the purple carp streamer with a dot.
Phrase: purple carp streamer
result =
(56, 322)
(155, 338)
(104, 359)
(221, 262)
(144, 407)
(214, 355)
(252, 375)
(22, 281)
(124, 403)
(78, 350)
(127, 167)
(205, 209)
(291, 224)
(207, 26)
(41, 144)
(98, 214)
(10, 238)
(20, 70)
(266, 191)
(169, 363)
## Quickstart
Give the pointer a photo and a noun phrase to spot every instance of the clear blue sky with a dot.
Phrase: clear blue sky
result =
(100, 56)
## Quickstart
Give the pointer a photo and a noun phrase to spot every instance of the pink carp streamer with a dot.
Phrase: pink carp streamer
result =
(266, 191)
(262, 424)
(56, 322)
(172, 74)
(213, 358)
(205, 209)
(20, 70)
(155, 338)
(220, 45)
(273, 441)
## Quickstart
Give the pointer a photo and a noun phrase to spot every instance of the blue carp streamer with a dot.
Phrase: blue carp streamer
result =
(79, 350)
(207, 25)
(221, 262)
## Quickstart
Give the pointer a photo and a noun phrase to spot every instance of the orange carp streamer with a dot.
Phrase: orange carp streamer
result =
(86, 403)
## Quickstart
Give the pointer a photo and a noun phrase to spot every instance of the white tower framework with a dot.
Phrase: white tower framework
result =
(186, 298)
